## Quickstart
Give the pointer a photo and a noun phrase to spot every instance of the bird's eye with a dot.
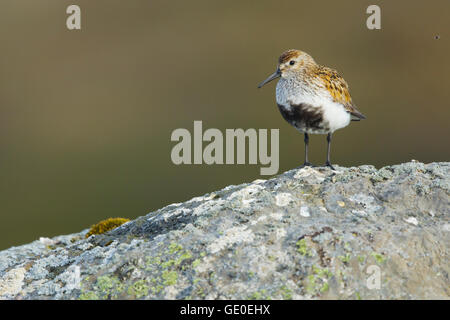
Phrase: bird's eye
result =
(292, 62)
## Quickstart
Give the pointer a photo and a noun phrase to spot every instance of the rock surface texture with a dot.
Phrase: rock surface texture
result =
(313, 233)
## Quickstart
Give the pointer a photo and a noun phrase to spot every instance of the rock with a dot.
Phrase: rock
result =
(312, 233)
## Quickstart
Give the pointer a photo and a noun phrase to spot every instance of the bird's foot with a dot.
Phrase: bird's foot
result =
(306, 164)
(328, 164)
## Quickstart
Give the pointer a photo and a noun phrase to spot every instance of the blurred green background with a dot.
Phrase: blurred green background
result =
(86, 116)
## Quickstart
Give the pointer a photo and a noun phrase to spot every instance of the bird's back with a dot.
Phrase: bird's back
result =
(338, 89)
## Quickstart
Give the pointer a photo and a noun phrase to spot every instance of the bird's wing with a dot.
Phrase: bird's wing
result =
(338, 89)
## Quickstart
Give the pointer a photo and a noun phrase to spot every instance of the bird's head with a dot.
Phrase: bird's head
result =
(291, 63)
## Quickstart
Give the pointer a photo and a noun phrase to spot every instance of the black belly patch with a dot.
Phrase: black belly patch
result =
(304, 117)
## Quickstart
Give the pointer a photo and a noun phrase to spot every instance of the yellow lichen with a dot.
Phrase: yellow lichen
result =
(106, 225)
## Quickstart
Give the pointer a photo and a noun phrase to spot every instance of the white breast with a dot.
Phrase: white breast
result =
(292, 92)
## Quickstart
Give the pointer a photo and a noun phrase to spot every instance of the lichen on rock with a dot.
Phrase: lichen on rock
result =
(309, 233)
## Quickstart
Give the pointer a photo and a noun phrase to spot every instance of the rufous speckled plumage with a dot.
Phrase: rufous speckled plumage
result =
(312, 98)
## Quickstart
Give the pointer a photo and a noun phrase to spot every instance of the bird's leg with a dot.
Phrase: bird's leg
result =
(307, 163)
(328, 163)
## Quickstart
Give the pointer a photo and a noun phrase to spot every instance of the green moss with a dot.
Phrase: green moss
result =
(139, 289)
(345, 259)
(151, 262)
(169, 277)
(347, 246)
(157, 289)
(164, 267)
(105, 283)
(315, 269)
(302, 248)
(88, 296)
(106, 225)
(361, 259)
(167, 264)
(378, 257)
(324, 287)
(286, 293)
(321, 273)
(311, 284)
(260, 295)
(195, 263)
(174, 247)
(340, 277)
(256, 296)
(185, 255)
(200, 292)
(105, 288)
(317, 282)
(358, 296)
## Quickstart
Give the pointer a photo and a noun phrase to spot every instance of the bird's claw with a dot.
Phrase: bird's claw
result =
(307, 164)
(328, 164)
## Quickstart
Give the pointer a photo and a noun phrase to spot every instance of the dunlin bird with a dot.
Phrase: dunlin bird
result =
(312, 98)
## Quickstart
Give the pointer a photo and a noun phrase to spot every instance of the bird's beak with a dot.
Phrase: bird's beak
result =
(274, 75)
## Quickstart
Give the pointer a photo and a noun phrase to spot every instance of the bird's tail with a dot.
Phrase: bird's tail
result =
(356, 115)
